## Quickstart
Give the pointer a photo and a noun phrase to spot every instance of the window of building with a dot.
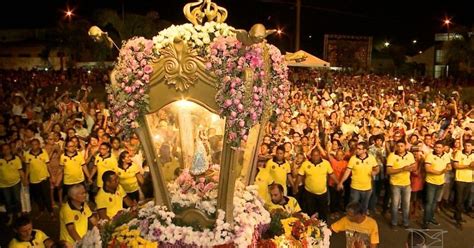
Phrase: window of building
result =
(439, 57)
(439, 71)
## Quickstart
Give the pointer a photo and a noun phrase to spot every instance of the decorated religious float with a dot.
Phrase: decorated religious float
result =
(198, 96)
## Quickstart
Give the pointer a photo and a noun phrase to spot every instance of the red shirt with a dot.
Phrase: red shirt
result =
(339, 167)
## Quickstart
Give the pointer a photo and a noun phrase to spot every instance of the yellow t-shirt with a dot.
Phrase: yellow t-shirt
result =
(105, 164)
(10, 172)
(366, 232)
(112, 202)
(68, 215)
(128, 178)
(464, 175)
(438, 163)
(361, 172)
(37, 242)
(279, 172)
(315, 176)
(73, 173)
(169, 169)
(396, 162)
(290, 207)
(37, 166)
(262, 180)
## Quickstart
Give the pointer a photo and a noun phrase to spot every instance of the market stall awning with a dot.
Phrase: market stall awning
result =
(304, 59)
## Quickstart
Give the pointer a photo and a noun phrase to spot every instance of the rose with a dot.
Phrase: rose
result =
(241, 123)
(148, 69)
(227, 103)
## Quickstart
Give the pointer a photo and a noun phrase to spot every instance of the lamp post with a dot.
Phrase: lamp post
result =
(447, 22)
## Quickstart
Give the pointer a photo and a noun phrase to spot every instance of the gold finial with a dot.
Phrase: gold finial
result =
(195, 12)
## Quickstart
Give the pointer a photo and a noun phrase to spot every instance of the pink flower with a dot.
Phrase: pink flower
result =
(138, 83)
(131, 103)
(140, 73)
(233, 114)
(232, 136)
(148, 69)
(227, 103)
(143, 62)
(236, 101)
(202, 179)
(240, 107)
(208, 65)
(118, 113)
(128, 89)
(245, 137)
(241, 123)
(146, 78)
(226, 79)
(139, 56)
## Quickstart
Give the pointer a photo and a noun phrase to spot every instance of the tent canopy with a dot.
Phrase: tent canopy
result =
(304, 59)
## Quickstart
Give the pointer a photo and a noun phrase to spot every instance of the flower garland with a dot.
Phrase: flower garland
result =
(279, 83)
(128, 98)
(240, 104)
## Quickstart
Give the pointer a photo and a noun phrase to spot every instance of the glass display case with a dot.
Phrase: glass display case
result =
(186, 135)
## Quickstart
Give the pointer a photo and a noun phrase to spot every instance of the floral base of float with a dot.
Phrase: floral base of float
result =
(254, 226)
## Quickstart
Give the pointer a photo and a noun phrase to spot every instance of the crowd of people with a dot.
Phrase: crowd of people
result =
(362, 141)
(385, 143)
(58, 143)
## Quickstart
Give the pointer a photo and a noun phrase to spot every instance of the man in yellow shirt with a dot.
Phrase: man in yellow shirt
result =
(314, 173)
(111, 197)
(363, 168)
(74, 166)
(437, 164)
(360, 229)
(464, 165)
(27, 237)
(279, 168)
(279, 201)
(75, 215)
(104, 161)
(37, 161)
(11, 174)
(399, 165)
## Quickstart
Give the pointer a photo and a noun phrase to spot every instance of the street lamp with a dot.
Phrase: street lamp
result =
(414, 41)
(447, 22)
(279, 32)
(68, 14)
(386, 44)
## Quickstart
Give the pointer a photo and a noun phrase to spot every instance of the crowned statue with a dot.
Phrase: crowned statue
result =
(201, 159)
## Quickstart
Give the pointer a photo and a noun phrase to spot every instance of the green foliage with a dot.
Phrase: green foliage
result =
(276, 227)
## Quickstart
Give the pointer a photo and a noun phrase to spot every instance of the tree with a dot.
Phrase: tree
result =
(460, 51)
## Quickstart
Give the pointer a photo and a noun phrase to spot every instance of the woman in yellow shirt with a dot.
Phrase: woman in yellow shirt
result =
(130, 176)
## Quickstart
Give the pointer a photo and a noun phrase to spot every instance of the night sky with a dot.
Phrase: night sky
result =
(396, 21)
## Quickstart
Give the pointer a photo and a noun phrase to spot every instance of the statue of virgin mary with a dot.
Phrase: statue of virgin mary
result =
(200, 162)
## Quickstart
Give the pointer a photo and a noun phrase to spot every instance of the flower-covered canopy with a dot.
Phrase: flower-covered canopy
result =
(227, 58)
